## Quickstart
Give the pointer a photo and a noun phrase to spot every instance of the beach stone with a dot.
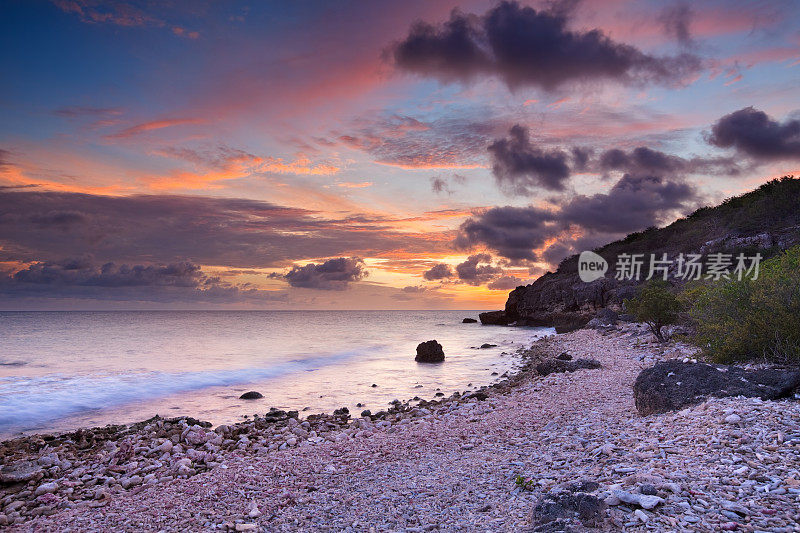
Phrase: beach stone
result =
(469, 321)
(554, 366)
(429, 352)
(488, 345)
(672, 385)
(642, 500)
(733, 419)
(251, 395)
(46, 488)
(19, 472)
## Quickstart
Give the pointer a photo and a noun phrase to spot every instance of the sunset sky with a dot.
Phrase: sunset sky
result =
(368, 155)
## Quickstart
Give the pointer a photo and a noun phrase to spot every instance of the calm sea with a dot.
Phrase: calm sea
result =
(63, 370)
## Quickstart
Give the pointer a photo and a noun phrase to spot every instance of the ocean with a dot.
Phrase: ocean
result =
(64, 370)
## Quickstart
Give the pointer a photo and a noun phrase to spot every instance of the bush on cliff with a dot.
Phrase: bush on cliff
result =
(655, 305)
(752, 319)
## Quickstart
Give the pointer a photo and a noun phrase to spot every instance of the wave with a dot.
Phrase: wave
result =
(30, 401)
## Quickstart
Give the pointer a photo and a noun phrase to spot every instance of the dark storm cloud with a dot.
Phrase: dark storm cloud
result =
(333, 274)
(520, 167)
(755, 134)
(523, 46)
(144, 229)
(82, 278)
(473, 272)
(632, 204)
(513, 232)
(644, 161)
(439, 271)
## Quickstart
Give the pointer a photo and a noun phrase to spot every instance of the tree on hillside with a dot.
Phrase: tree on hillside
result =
(655, 305)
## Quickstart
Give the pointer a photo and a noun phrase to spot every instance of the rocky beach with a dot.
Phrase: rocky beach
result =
(558, 446)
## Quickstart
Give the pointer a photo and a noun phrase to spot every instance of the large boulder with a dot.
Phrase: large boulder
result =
(468, 321)
(495, 318)
(672, 385)
(429, 352)
(19, 472)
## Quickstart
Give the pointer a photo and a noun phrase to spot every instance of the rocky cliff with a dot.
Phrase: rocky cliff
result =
(766, 221)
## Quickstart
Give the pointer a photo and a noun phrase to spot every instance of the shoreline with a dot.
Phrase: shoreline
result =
(398, 470)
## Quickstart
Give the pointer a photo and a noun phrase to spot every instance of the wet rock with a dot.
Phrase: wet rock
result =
(429, 352)
(672, 385)
(251, 395)
(495, 318)
(487, 345)
(468, 321)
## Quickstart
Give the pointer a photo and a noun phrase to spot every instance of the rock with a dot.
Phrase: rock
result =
(557, 508)
(251, 395)
(46, 488)
(564, 356)
(642, 500)
(553, 366)
(469, 321)
(487, 345)
(19, 472)
(672, 385)
(495, 318)
(648, 489)
(429, 352)
(245, 527)
(366, 413)
(733, 419)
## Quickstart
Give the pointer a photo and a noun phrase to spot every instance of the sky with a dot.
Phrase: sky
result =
(368, 155)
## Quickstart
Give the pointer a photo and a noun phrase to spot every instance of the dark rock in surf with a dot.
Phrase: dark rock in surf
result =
(468, 321)
(487, 345)
(494, 318)
(429, 352)
(252, 395)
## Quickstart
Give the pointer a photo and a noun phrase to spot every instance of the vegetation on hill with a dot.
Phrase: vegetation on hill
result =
(656, 305)
(751, 319)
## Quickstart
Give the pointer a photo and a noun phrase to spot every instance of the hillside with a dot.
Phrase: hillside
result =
(766, 220)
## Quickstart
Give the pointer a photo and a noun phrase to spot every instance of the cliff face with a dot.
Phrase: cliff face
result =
(764, 221)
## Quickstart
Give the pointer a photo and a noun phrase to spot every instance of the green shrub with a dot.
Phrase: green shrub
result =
(751, 319)
(655, 305)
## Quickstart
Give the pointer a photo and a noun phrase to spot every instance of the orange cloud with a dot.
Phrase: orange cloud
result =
(351, 185)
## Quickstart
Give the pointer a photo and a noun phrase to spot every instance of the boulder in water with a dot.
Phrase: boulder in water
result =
(252, 395)
(429, 352)
(468, 321)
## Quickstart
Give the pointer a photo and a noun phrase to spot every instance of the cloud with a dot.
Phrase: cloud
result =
(401, 141)
(633, 203)
(333, 274)
(644, 161)
(513, 232)
(677, 20)
(473, 272)
(153, 125)
(82, 278)
(439, 271)
(238, 233)
(526, 47)
(87, 111)
(754, 133)
(519, 166)
(112, 12)
(505, 283)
